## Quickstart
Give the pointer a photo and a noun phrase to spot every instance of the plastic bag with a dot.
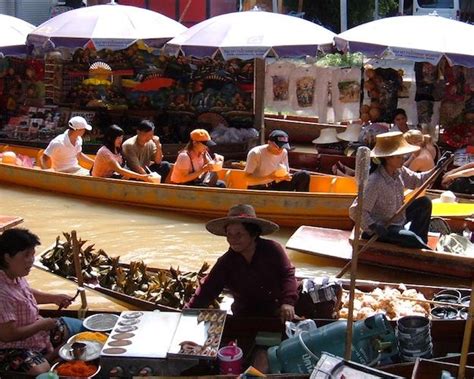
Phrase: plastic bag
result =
(295, 328)
(455, 243)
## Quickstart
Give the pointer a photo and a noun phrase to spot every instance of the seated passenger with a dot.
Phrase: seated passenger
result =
(194, 164)
(27, 340)
(108, 161)
(143, 151)
(267, 166)
(64, 151)
(256, 271)
(420, 160)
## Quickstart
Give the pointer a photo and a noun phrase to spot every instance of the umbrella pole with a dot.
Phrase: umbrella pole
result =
(259, 97)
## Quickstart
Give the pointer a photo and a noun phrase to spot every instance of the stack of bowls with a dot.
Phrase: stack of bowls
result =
(414, 338)
(447, 312)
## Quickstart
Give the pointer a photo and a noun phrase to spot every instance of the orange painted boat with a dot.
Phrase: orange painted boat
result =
(326, 204)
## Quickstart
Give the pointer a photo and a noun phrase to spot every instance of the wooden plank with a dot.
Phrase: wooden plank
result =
(332, 243)
(335, 243)
(7, 222)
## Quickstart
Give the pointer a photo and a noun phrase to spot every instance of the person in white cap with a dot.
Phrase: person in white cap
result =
(65, 151)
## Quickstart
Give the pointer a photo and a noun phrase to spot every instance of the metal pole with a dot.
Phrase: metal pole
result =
(343, 6)
(376, 10)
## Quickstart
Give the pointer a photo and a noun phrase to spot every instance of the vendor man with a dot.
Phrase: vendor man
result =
(65, 151)
(267, 166)
(143, 151)
(384, 196)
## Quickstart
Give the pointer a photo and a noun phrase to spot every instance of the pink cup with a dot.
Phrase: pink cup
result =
(230, 359)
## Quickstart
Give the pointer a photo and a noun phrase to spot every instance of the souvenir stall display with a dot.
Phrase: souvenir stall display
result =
(305, 88)
(127, 85)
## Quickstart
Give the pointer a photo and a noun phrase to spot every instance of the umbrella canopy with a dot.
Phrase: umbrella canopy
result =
(418, 38)
(109, 26)
(13, 32)
(252, 34)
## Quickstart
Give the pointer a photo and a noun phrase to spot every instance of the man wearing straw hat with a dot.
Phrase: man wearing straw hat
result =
(384, 195)
(255, 270)
(267, 166)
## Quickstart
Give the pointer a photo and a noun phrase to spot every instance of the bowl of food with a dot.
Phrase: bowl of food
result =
(75, 369)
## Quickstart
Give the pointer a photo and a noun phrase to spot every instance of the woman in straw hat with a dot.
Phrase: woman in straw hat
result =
(384, 195)
(256, 271)
(420, 160)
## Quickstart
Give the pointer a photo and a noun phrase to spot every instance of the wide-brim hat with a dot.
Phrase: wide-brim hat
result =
(351, 134)
(242, 213)
(391, 144)
(328, 135)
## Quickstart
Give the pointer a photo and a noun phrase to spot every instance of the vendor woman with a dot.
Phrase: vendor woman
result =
(384, 195)
(27, 340)
(255, 270)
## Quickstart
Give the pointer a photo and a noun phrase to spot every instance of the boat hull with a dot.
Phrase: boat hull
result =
(285, 208)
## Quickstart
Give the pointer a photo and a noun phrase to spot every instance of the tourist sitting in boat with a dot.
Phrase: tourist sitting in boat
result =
(420, 160)
(384, 196)
(460, 179)
(27, 340)
(256, 271)
(108, 160)
(267, 166)
(65, 151)
(143, 152)
(195, 165)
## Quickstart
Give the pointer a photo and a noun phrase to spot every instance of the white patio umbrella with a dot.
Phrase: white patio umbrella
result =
(111, 26)
(418, 38)
(13, 32)
(252, 35)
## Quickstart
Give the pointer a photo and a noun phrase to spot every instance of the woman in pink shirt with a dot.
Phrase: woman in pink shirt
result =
(27, 340)
(108, 161)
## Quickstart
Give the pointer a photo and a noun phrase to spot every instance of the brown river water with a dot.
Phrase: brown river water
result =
(159, 238)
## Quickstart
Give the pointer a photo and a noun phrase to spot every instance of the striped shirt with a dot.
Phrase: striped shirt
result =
(384, 195)
(18, 304)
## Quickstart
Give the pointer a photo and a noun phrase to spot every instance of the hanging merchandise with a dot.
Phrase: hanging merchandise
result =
(382, 87)
(407, 91)
(277, 85)
(430, 88)
(346, 93)
(303, 89)
(324, 104)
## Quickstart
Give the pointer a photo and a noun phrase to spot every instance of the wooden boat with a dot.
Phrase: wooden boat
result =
(335, 243)
(7, 222)
(446, 337)
(327, 203)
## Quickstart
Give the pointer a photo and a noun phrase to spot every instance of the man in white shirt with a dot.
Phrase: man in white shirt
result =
(65, 151)
(267, 166)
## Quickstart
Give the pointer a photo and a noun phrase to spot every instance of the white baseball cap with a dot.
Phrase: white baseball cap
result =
(78, 123)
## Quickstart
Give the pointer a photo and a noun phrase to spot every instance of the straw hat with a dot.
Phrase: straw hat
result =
(327, 135)
(391, 144)
(445, 197)
(351, 134)
(242, 213)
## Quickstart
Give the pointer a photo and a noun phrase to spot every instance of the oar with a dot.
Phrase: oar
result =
(402, 209)
(466, 341)
(362, 174)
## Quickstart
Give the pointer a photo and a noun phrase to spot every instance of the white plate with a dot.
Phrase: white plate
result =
(101, 322)
(92, 352)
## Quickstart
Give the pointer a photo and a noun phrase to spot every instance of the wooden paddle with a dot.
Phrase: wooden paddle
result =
(402, 209)
(467, 336)
(362, 174)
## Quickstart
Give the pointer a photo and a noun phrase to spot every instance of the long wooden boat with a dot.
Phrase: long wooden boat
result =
(327, 203)
(335, 243)
(365, 286)
(446, 337)
(7, 222)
